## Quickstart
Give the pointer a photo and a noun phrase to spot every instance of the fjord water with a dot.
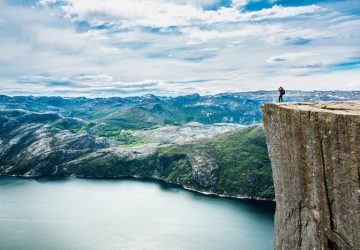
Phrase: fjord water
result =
(71, 213)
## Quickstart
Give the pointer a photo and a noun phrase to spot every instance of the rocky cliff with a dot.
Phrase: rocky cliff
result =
(222, 159)
(315, 155)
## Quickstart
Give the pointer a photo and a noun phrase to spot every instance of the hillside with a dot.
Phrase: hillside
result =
(206, 143)
(104, 115)
(221, 159)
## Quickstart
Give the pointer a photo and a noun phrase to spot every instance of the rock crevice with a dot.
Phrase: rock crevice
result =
(314, 150)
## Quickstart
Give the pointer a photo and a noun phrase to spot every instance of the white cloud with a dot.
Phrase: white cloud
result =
(162, 14)
(201, 35)
(239, 3)
(180, 45)
(280, 12)
(289, 57)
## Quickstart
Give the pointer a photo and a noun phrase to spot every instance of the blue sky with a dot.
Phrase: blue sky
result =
(173, 47)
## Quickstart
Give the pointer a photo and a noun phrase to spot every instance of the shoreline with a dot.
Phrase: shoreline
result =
(151, 179)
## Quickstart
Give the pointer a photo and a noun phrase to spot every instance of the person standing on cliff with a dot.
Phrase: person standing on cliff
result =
(281, 93)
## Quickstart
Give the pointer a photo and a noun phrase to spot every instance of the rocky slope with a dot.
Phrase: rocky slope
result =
(315, 156)
(223, 159)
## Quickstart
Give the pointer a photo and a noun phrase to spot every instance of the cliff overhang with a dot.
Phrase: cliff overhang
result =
(314, 150)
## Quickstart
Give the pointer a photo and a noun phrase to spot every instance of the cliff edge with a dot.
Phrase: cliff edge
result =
(314, 150)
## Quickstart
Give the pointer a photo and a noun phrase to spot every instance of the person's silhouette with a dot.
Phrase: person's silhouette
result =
(281, 94)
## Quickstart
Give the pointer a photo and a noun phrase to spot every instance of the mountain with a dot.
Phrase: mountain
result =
(222, 159)
(206, 143)
(148, 111)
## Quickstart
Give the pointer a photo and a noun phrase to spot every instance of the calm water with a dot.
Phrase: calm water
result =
(126, 214)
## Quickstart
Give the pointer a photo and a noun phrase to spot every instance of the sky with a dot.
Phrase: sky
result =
(100, 48)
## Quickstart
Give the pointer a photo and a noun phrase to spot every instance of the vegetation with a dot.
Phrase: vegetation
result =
(104, 137)
(244, 166)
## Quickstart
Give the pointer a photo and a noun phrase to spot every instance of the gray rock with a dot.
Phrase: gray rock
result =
(315, 156)
(204, 169)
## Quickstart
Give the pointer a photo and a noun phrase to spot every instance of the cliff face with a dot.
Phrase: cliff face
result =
(315, 155)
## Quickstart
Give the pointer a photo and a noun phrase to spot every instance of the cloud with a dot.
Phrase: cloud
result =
(163, 14)
(297, 40)
(92, 85)
(109, 47)
(352, 63)
(289, 57)
(89, 81)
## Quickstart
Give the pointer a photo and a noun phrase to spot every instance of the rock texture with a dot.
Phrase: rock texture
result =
(315, 155)
(205, 169)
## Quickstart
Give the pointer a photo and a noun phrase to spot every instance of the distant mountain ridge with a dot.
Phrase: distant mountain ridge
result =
(150, 110)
